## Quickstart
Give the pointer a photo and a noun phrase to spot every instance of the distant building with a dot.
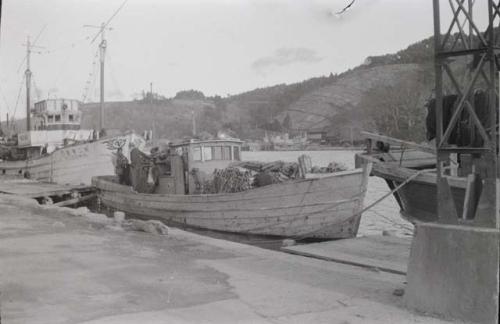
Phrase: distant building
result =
(316, 136)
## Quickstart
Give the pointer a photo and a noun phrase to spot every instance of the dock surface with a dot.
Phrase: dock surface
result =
(386, 253)
(56, 267)
(34, 189)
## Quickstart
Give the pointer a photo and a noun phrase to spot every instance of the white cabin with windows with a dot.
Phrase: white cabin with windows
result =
(208, 155)
(57, 114)
(55, 123)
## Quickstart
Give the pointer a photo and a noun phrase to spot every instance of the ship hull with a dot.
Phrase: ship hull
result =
(75, 164)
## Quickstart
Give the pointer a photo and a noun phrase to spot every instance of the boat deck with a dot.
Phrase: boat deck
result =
(385, 253)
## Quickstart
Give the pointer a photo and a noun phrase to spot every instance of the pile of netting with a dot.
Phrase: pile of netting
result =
(332, 167)
(230, 180)
(242, 176)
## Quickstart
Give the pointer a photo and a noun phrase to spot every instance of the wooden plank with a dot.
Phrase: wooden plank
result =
(447, 210)
(74, 201)
(33, 189)
(386, 253)
(400, 174)
(472, 192)
(395, 141)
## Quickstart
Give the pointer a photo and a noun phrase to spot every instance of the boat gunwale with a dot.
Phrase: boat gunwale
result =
(105, 179)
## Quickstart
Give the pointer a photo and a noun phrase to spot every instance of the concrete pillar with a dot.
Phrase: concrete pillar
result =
(454, 272)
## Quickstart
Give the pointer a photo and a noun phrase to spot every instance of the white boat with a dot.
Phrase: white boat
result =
(59, 151)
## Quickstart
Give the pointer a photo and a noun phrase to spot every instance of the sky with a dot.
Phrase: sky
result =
(216, 46)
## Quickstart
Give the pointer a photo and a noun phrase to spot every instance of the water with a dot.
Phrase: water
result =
(384, 216)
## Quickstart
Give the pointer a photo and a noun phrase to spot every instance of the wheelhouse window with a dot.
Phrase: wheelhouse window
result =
(50, 118)
(207, 153)
(70, 118)
(196, 153)
(217, 152)
(226, 153)
(236, 153)
(58, 118)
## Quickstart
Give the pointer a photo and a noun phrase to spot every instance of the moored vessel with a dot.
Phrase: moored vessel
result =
(317, 206)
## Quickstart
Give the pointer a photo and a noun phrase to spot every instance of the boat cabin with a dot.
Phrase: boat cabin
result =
(57, 114)
(56, 122)
(199, 160)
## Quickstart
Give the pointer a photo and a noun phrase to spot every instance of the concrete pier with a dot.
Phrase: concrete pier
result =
(454, 271)
(56, 267)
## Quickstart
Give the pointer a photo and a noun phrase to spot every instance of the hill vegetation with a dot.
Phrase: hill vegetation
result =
(385, 94)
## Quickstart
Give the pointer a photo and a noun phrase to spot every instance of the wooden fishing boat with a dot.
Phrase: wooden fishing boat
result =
(411, 167)
(322, 206)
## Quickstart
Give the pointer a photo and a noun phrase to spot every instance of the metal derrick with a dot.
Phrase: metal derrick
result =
(463, 40)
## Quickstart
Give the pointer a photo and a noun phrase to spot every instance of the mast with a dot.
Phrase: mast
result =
(28, 85)
(102, 55)
(28, 75)
(102, 47)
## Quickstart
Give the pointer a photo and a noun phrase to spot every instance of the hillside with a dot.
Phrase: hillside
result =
(168, 118)
(318, 109)
(337, 104)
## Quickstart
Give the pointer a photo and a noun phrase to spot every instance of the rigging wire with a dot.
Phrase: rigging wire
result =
(89, 84)
(32, 45)
(109, 20)
(5, 100)
(37, 90)
(18, 97)
(111, 72)
(62, 68)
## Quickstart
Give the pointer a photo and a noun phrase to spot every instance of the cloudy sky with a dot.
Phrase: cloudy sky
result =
(216, 46)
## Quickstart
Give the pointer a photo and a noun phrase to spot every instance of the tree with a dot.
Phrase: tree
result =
(190, 95)
(398, 110)
(287, 122)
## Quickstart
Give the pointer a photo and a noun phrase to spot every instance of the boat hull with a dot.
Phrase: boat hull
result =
(417, 198)
(320, 208)
(75, 164)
